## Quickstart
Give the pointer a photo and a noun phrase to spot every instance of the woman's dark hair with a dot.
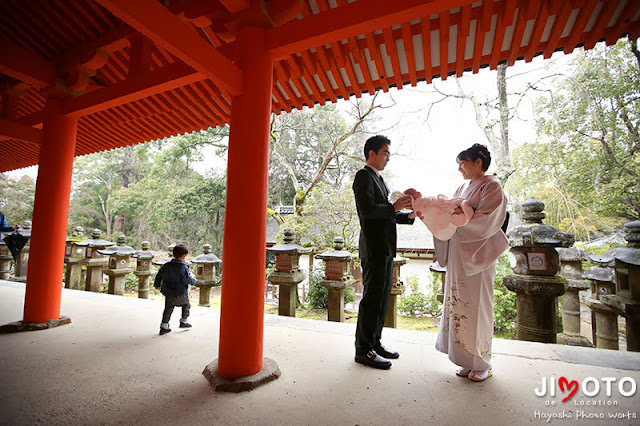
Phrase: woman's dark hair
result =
(180, 250)
(476, 151)
(374, 143)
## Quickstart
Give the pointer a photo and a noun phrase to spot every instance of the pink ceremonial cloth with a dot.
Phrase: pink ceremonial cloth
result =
(438, 214)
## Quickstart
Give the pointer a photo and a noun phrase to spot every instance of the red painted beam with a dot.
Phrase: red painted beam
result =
(165, 29)
(141, 86)
(26, 66)
(12, 130)
(355, 18)
(235, 6)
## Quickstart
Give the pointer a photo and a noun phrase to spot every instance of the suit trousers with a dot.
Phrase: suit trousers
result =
(377, 274)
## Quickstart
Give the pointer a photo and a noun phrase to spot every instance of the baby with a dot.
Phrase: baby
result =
(441, 215)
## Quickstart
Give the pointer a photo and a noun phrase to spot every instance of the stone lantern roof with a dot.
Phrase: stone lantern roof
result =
(207, 256)
(598, 273)
(77, 236)
(533, 233)
(337, 253)
(288, 246)
(629, 255)
(120, 249)
(96, 241)
(571, 254)
(145, 253)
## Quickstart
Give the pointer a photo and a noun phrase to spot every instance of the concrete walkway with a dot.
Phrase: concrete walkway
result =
(109, 366)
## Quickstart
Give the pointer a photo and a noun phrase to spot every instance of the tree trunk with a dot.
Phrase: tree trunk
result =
(504, 159)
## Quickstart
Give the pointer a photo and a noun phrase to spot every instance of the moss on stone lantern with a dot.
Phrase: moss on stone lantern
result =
(73, 254)
(287, 274)
(535, 263)
(94, 261)
(119, 265)
(205, 270)
(335, 279)
(143, 268)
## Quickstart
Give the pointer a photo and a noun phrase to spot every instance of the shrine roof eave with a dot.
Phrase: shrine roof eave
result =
(130, 79)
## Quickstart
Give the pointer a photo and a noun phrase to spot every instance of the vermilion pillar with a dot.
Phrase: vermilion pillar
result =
(50, 212)
(245, 226)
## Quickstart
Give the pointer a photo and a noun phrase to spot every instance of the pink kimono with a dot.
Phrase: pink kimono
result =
(466, 327)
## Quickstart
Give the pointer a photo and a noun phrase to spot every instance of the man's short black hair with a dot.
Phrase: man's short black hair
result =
(374, 143)
(180, 250)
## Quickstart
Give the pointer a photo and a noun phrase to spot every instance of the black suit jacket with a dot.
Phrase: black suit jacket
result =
(377, 216)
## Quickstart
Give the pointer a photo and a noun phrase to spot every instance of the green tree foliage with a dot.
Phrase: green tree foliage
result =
(318, 296)
(173, 203)
(416, 303)
(96, 178)
(155, 188)
(586, 165)
(330, 212)
(315, 146)
(16, 198)
(504, 300)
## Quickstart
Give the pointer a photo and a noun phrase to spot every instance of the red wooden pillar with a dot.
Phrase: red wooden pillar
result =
(50, 212)
(245, 226)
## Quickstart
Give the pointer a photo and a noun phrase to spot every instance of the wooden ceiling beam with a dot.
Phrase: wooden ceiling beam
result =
(355, 18)
(142, 85)
(10, 129)
(26, 66)
(167, 30)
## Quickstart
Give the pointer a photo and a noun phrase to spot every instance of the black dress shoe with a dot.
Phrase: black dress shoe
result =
(387, 353)
(374, 360)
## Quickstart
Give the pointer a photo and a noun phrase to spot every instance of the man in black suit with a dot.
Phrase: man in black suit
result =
(378, 218)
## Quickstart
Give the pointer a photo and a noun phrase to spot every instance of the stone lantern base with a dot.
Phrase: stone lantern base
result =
(205, 291)
(537, 305)
(5, 267)
(73, 274)
(606, 325)
(143, 283)
(288, 294)
(336, 298)
(117, 279)
(571, 315)
(391, 320)
(630, 309)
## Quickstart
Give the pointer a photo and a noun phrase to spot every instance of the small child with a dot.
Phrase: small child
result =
(173, 280)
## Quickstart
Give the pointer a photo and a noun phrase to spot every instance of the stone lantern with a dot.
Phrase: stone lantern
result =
(22, 263)
(143, 269)
(73, 254)
(205, 270)
(535, 261)
(119, 265)
(335, 278)
(94, 261)
(397, 288)
(5, 261)
(442, 272)
(571, 268)
(626, 300)
(287, 274)
(160, 262)
(604, 321)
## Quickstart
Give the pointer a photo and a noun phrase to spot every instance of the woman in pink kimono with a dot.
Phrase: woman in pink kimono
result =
(470, 255)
